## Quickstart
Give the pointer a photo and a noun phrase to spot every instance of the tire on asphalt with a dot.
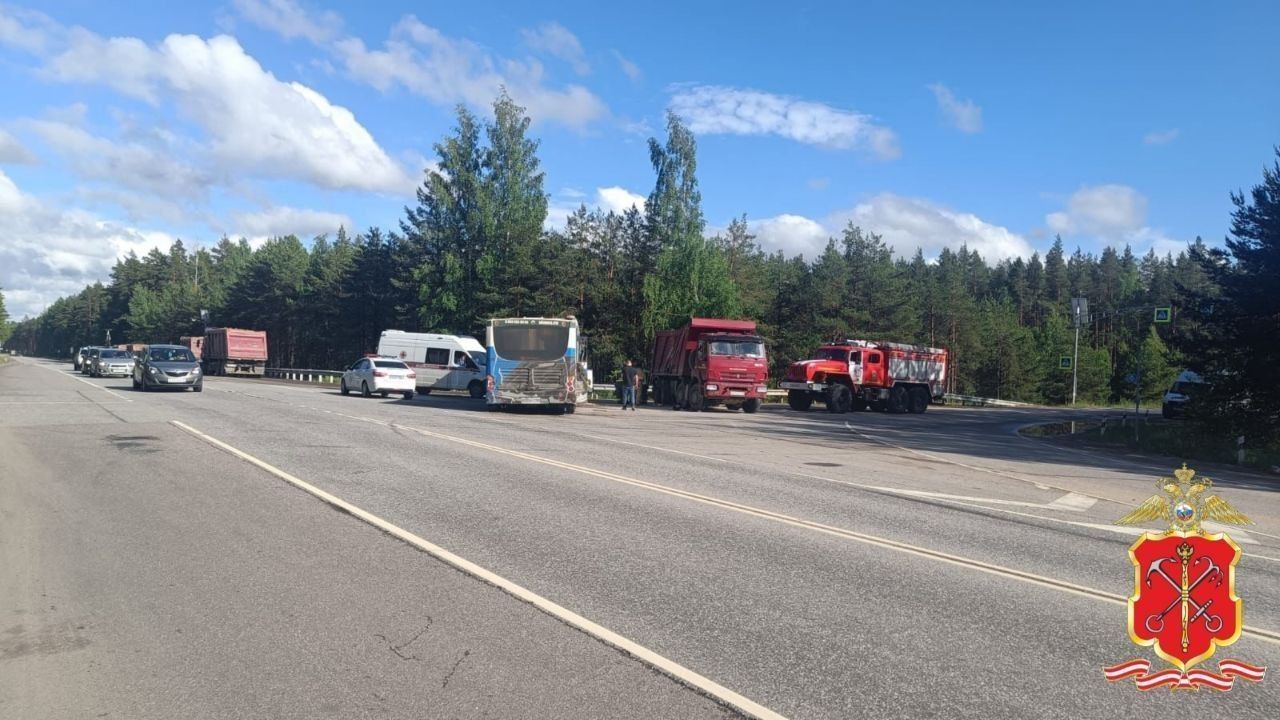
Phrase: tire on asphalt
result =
(799, 400)
(897, 399)
(918, 401)
(839, 398)
(751, 405)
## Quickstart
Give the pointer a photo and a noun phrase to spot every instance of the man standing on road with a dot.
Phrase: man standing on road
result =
(630, 385)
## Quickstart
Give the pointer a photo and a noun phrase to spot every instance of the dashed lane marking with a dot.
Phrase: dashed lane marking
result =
(630, 647)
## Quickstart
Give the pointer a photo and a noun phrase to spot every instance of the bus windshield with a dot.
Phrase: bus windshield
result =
(531, 342)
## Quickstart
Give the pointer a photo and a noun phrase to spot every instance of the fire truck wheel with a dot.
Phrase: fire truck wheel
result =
(695, 399)
(799, 400)
(839, 399)
(751, 405)
(919, 400)
(897, 399)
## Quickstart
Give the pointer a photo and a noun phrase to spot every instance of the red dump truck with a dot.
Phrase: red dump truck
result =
(710, 362)
(231, 350)
(859, 374)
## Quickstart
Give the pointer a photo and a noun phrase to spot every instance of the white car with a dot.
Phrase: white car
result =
(379, 375)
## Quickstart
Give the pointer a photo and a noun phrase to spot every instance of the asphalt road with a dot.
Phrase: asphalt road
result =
(821, 566)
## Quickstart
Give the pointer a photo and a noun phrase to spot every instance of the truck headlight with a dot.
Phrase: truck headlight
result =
(712, 387)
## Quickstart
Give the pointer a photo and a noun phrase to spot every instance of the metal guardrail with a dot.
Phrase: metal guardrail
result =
(324, 377)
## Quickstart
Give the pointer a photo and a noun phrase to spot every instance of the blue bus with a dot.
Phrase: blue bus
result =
(535, 361)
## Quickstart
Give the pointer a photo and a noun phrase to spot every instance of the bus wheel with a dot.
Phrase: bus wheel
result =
(475, 388)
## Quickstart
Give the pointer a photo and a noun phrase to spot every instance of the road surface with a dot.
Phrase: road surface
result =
(167, 555)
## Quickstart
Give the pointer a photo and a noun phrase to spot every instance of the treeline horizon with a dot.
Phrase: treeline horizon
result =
(474, 246)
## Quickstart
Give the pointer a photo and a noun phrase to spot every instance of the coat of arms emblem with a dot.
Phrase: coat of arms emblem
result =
(1184, 603)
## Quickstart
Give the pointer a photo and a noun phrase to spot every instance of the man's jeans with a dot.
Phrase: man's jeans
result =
(628, 397)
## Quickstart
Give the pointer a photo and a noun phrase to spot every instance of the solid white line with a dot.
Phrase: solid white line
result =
(645, 655)
(86, 382)
(990, 568)
(651, 447)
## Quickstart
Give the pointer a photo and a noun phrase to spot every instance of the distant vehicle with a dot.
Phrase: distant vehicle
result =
(709, 362)
(232, 350)
(860, 374)
(110, 361)
(442, 362)
(535, 361)
(379, 375)
(1182, 392)
(167, 366)
(78, 362)
(194, 343)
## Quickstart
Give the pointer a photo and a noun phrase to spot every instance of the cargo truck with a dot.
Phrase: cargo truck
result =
(232, 350)
(709, 362)
(861, 374)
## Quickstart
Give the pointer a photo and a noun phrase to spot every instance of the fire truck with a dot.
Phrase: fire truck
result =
(860, 374)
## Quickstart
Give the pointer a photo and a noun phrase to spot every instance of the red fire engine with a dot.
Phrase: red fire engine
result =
(858, 374)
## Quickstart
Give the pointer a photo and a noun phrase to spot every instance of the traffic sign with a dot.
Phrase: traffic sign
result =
(1064, 362)
(1164, 314)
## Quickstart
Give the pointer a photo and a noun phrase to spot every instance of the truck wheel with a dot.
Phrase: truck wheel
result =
(751, 405)
(839, 398)
(475, 388)
(919, 401)
(696, 402)
(897, 399)
(799, 400)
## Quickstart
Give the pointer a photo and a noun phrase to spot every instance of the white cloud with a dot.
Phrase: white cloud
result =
(713, 109)
(289, 20)
(13, 152)
(963, 115)
(278, 221)
(1106, 211)
(447, 71)
(256, 124)
(154, 168)
(555, 40)
(24, 29)
(907, 224)
(51, 252)
(619, 199)
(1161, 137)
(792, 234)
(630, 69)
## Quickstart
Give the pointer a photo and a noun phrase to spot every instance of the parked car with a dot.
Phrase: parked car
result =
(379, 375)
(90, 359)
(1182, 392)
(78, 362)
(109, 361)
(167, 366)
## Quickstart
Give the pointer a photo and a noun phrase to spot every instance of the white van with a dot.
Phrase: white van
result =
(442, 362)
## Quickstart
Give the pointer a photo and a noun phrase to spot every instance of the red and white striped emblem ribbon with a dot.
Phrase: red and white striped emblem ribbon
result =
(1223, 680)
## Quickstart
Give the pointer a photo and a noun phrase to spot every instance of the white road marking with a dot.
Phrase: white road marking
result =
(651, 447)
(66, 373)
(644, 654)
(1074, 501)
(907, 548)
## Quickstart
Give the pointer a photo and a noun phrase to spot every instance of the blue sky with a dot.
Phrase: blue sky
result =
(128, 124)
